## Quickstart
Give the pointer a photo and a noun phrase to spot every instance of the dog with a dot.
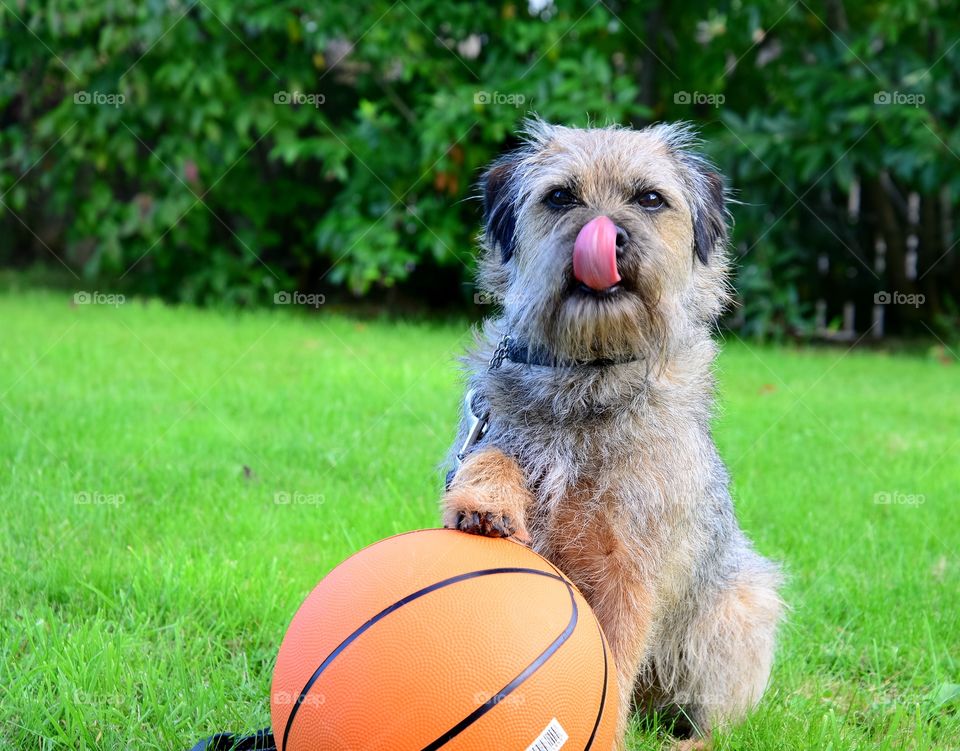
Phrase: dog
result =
(586, 431)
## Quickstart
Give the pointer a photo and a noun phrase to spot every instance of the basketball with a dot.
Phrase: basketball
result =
(442, 640)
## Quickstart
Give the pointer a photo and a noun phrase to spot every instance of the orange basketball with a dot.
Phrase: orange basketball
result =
(443, 640)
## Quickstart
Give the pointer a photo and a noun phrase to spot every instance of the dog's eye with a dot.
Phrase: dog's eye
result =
(650, 200)
(560, 198)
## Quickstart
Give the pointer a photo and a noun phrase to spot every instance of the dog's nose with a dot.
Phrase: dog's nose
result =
(622, 239)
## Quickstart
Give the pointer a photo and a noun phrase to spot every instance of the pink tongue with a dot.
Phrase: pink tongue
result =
(595, 254)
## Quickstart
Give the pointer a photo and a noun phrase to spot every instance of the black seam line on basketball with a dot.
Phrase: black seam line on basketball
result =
(512, 685)
(396, 606)
(603, 692)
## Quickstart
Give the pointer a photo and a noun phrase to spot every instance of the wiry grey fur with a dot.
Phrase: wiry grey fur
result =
(629, 495)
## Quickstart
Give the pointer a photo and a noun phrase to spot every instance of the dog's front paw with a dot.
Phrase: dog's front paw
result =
(488, 497)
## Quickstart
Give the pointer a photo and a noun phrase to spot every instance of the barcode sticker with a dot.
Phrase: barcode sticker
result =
(551, 739)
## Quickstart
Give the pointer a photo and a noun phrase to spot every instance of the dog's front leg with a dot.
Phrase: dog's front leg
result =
(488, 496)
(623, 601)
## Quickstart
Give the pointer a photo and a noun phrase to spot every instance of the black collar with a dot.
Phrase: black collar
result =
(522, 354)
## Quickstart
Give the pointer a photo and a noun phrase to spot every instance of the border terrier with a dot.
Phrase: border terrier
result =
(587, 422)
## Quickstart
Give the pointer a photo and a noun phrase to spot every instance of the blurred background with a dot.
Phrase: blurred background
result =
(246, 153)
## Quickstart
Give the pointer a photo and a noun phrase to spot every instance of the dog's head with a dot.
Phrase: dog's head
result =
(605, 242)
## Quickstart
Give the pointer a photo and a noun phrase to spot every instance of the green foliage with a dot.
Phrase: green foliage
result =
(211, 150)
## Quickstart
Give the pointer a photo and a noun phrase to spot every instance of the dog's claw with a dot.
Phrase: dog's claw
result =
(485, 523)
(501, 527)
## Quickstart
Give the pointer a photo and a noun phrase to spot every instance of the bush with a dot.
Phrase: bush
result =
(213, 150)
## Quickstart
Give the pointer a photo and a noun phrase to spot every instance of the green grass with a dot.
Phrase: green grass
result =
(147, 623)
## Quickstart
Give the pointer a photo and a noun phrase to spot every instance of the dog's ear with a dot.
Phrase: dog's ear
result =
(499, 207)
(710, 226)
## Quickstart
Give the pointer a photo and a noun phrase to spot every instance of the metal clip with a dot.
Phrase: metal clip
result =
(476, 425)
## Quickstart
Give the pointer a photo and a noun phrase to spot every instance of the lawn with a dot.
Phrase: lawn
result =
(149, 571)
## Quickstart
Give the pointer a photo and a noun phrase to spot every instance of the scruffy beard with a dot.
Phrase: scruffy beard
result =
(575, 325)
(623, 325)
